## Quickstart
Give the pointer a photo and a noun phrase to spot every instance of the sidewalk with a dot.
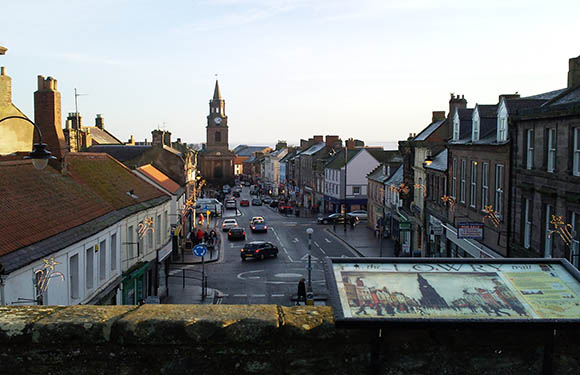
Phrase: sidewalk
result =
(363, 241)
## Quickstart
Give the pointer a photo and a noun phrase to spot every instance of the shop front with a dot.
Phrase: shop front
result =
(466, 247)
(135, 284)
(163, 260)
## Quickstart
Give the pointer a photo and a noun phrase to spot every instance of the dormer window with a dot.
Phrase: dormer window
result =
(502, 129)
(475, 130)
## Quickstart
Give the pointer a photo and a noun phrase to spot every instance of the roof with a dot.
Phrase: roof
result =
(546, 95)
(161, 179)
(425, 133)
(109, 179)
(101, 136)
(337, 161)
(243, 150)
(465, 119)
(396, 178)
(277, 152)
(122, 153)
(217, 95)
(378, 174)
(439, 162)
(568, 96)
(314, 148)
(514, 105)
(385, 156)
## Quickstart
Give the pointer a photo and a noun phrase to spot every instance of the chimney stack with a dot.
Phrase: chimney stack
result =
(5, 88)
(331, 140)
(47, 116)
(100, 122)
(438, 116)
(75, 119)
(574, 72)
(350, 144)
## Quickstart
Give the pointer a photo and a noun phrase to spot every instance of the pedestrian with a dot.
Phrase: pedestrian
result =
(205, 237)
(199, 235)
(301, 292)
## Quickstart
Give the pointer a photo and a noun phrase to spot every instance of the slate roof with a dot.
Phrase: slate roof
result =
(439, 162)
(122, 153)
(39, 209)
(314, 148)
(546, 95)
(568, 96)
(243, 150)
(425, 133)
(156, 175)
(337, 161)
(396, 178)
(101, 136)
(378, 174)
(514, 105)
(465, 119)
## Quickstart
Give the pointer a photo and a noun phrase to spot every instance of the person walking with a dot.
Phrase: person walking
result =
(301, 292)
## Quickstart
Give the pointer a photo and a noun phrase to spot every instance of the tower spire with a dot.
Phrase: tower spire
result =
(216, 92)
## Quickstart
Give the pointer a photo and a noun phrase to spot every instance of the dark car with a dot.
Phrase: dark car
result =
(256, 202)
(244, 202)
(258, 249)
(266, 200)
(274, 203)
(284, 208)
(236, 234)
(331, 219)
(258, 226)
(236, 194)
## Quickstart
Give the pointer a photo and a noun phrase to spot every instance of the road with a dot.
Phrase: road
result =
(272, 280)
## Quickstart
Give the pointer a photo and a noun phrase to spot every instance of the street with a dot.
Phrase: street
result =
(272, 280)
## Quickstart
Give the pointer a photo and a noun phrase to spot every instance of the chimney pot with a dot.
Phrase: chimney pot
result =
(3, 71)
(574, 72)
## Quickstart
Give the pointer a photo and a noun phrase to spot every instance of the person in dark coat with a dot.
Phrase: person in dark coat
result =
(301, 292)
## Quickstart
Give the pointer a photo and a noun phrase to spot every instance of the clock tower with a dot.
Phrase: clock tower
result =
(217, 161)
(217, 122)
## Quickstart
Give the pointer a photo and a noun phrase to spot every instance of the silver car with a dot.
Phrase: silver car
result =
(227, 224)
(360, 214)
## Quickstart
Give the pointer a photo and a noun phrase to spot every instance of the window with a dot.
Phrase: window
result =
(576, 153)
(529, 148)
(165, 226)
(89, 266)
(158, 230)
(502, 130)
(484, 185)
(575, 244)
(551, 167)
(38, 294)
(150, 240)
(499, 189)
(527, 223)
(454, 179)
(473, 188)
(113, 251)
(456, 129)
(547, 236)
(356, 190)
(103, 260)
(475, 132)
(462, 192)
(74, 276)
(130, 240)
(218, 136)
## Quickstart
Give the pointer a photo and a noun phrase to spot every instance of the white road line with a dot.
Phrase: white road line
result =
(291, 260)
(295, 240)
(286, 251)
(323, 252)
(225, 295)
(277, 295)
(240, 295)
(316, 243)
(258, 295)
(327, 240)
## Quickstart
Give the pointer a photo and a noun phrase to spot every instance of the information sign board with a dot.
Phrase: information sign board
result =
(471, 230)
(375, 291)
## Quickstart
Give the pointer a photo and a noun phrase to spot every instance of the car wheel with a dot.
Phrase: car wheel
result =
(243, 259)
(324, 221)
(261, 256)
(276, 254)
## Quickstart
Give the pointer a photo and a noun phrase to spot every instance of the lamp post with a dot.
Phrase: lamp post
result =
(309, 231)
(39, 155)
(345, 164)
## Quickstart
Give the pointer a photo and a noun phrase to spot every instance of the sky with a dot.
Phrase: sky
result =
(372, 70)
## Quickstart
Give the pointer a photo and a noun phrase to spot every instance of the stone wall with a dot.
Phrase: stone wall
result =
(258, 339)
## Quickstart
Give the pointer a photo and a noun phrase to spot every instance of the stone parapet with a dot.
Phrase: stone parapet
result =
(259, 339)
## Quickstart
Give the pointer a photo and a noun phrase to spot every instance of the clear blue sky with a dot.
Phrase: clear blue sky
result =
(372, 70)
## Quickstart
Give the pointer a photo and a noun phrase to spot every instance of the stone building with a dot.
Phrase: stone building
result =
(216, 159)
(546, 173)
(79, 137)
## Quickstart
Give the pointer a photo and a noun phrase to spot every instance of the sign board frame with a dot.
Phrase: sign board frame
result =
(200, 250)
(470, 230)
(525, 312)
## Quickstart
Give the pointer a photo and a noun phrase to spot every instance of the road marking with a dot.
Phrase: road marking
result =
(295, 240)
(327, 240)
(322, 250)
(312, 257)
(316, 243)
(286, 251)
(258, 295)
(289, 257)
(240, 295)
(277, 295)
(239, 276)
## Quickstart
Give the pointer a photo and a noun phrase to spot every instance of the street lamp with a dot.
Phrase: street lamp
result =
(345, 180)
(309, 231)
(39, 155)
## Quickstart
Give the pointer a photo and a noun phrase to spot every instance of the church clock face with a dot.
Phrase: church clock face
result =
(217, 120)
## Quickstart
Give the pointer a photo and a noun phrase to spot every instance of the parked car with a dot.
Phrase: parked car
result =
(361, 214)
(236, 234)
(284, 208)
(274, 203)
(336, 218)
(226, 189)
(258, 226)
(256, 202)
(258, 249)
(228, 224)
(244, 203)
(266, 200)
(236, 194)
(231, 203)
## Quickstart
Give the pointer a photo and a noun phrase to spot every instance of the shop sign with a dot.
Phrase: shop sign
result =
(470, 230)
(405, 226)
(437, 229)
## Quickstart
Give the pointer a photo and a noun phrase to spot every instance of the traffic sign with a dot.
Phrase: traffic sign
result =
(200, 250)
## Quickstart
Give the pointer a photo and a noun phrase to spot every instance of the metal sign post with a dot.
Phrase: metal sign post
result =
(200, 251)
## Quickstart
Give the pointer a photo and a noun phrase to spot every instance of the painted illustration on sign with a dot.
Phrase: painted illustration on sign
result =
(485, 291)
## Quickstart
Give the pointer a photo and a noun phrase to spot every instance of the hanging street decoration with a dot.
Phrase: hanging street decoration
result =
(47, 273)
(402, 188)
(421, 187)
(145, 227)
(450, 201)
(491, 215)
(562, 229)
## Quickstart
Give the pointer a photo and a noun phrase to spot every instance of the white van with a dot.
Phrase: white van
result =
(212, 204)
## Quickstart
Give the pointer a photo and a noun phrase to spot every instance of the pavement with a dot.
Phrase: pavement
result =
(361, 239)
